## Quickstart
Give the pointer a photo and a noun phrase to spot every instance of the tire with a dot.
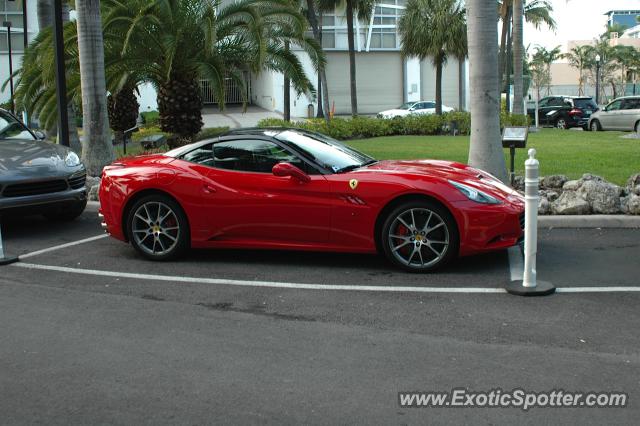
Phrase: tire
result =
(595, 126)
(62, 214)
(636, 128)
(404, 235)
(158, 228)
(561, 124)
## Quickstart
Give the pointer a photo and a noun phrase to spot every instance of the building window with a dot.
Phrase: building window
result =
(11, 11)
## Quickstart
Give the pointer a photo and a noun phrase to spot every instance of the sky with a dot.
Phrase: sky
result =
(576, 20)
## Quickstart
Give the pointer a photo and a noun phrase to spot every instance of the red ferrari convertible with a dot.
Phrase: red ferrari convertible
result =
(299, 190)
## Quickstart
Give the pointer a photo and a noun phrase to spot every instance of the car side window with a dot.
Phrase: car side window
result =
(428, 105)
(253, 155)
(543, 102)
(614, 106)
(631, 104)
(556, 102)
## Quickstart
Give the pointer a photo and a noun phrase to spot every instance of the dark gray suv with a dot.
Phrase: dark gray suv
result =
(36, 176)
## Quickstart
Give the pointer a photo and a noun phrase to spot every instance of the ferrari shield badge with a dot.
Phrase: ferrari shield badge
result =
(353, 183)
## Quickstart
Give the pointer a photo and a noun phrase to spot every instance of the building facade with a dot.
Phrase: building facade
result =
(622, 17)
(11, 11)
(384, 79)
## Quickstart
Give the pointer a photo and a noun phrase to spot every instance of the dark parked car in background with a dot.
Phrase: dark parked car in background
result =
(563, 112)
(38, 177)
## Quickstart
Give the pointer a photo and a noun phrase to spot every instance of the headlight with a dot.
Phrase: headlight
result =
(475, 194)
(72, 159)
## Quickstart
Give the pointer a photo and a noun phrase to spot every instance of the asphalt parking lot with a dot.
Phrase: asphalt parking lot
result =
(95, 334)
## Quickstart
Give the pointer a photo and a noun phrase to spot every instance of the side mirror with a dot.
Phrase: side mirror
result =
(39, 135)
(287, 169)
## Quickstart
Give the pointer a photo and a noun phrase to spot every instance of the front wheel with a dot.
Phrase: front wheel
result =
(595, 126)
(158, 228)
(420, 236)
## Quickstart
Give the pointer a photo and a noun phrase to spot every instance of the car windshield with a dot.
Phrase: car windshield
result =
(327, 152)
(587, 103)
(406, 105)
(10, 128)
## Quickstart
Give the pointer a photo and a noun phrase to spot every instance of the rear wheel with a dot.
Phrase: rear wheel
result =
(420, 236)
(158, 228)
(561, 123)
(636, 128)
(595, 126)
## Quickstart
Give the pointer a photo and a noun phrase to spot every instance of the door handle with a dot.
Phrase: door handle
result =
(208, 189)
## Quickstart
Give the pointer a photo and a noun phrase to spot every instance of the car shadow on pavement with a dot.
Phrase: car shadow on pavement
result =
(376, 264)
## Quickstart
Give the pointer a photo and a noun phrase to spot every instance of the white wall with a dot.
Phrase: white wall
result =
(147, 98)
(450, 77)
(412, 80)
(267, 90)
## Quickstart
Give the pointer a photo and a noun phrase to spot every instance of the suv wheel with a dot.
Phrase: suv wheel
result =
(561, 123)
(595, 126)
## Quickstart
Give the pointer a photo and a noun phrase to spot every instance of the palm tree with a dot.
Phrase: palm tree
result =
(579, 58)
(485, 150)
(362, 9)
(175, 43)
(536, 12)
(312, 16)
(435, 29)
(97, 149)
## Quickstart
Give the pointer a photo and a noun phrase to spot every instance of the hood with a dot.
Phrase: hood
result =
(445, 170)
(29, 158)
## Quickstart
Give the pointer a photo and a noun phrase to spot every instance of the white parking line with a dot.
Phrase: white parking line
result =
(61, 246)
(276, 284)
(272, 284)
(516, 263)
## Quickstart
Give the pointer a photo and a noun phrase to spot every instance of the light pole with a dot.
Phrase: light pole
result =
(7, 25)
(598, 79)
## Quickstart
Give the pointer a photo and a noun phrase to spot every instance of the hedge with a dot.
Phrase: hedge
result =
(368, 127)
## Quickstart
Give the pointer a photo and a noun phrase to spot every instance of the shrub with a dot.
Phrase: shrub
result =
(150, 118)
(368, 127)
(210, 132)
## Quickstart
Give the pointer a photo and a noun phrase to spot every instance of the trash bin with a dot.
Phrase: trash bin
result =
(310, 111)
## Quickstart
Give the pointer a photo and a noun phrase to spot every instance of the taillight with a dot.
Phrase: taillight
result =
(575, 111)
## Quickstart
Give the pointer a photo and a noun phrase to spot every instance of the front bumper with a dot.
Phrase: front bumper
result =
(486, 228)
(35, 202)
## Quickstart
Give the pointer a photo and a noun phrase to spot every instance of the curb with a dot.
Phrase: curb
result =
(589, 221)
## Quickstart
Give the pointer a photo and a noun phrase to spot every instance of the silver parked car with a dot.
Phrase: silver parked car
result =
(620, 114)
(38, 177)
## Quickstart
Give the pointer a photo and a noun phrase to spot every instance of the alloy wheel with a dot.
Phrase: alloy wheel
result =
(561, 124)
(155, 228)
(418, 238)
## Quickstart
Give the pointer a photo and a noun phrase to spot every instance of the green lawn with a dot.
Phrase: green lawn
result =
(567, 152)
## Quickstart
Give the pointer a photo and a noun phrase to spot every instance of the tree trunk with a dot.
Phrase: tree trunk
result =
(438, 64)
(44, 12)
(461, 83)
(97, 149)
(518, 57)
(352, 59)
(287, 92)
(506, 24)
(485, 150)
(509, 64)
(323, 89)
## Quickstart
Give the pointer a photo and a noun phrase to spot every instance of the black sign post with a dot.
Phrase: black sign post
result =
(514, 137)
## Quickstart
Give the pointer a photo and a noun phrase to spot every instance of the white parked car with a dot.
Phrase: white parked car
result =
(418, 107)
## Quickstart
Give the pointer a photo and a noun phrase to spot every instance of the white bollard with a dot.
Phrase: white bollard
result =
(530, 286)
(3, 259)
(531, 198)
